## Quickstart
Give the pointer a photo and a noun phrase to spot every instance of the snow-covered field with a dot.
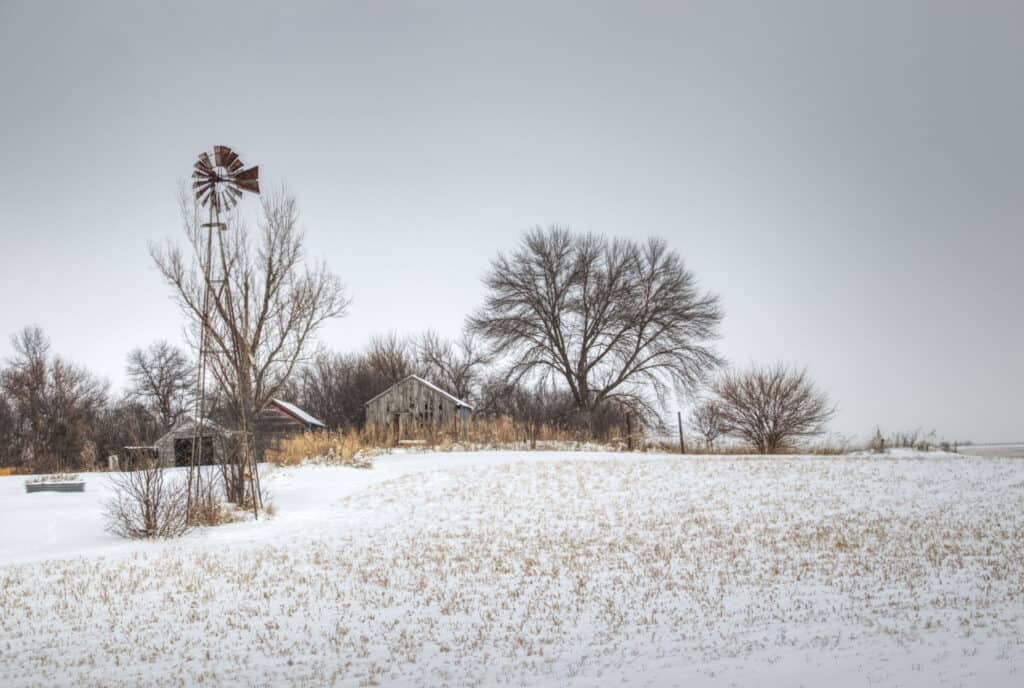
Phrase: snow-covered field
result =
(539, 569)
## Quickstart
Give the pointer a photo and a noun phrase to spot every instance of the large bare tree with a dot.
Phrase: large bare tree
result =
(265, 305)
(613, 320)
(769, 406)
(163, 380)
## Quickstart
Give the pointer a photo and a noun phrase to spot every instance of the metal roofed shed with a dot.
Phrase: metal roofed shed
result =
(292, 411)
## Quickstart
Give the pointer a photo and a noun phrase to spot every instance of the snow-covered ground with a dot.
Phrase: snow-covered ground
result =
(539, 569)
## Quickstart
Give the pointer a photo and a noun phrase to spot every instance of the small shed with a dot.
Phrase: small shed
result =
(282, 417)
(414, 406)
(175, 447)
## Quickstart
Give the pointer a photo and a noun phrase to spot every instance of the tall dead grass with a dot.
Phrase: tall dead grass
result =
(342, 447)
(356, 448)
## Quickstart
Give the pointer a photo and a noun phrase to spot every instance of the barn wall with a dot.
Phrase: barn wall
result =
(417, 406)
(273, 425)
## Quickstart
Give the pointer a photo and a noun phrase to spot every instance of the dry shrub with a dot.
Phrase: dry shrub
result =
(206, 507)
(6, 472)
(147, 503)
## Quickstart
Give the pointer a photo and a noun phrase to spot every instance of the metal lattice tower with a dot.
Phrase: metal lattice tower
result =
(218, 185)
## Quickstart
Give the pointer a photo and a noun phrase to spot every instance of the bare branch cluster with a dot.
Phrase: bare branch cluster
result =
(147, 503)
(613, 320)
(708, 420)
(769, 406)
(163, 380)
(53, 405)
(256, 300)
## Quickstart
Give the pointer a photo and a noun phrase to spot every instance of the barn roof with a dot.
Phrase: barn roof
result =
(458, 402)
(297, 413)
(187, 423)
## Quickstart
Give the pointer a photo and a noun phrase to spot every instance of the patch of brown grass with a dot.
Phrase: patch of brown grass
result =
(341, 447)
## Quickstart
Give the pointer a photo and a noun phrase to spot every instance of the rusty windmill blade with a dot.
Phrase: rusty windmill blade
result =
(230, 158)
(220, 154)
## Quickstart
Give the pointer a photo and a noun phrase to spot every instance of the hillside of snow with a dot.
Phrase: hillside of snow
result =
(554, 569)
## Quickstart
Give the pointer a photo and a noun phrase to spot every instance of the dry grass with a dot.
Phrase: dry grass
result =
(355, 448)
(333, 447)
(571, 571)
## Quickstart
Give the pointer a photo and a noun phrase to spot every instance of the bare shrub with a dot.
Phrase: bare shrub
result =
(147, 503)
(771, 406)
(206, 507)
(708, 420)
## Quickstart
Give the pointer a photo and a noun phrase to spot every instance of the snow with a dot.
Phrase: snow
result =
(538, 568)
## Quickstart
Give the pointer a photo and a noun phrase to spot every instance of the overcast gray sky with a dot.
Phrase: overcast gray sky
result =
(846, 175)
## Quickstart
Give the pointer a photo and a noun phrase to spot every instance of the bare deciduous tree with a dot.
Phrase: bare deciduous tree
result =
(457, 366)
(772, 405)
(708, 421)
(147, 503)
(392, 357)
(265, 306)
(163, 380)
(55, 404)
(611, 319)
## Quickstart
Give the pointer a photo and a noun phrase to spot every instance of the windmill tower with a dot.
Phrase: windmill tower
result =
(218, 186)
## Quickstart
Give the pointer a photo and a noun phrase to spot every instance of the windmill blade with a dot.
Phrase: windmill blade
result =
(230, 159)
(222, 153)
(249, 180)
(236, 165)
(204, 164)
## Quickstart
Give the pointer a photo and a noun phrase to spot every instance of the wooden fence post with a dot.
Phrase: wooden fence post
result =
(682, 442)
(629, 432)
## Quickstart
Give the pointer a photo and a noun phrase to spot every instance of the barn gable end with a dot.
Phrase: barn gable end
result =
(414, 405)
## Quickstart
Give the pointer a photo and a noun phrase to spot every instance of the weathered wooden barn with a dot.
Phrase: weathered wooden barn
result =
(413, 407)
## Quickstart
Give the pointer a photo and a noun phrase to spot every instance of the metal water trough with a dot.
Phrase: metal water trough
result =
(76, 486)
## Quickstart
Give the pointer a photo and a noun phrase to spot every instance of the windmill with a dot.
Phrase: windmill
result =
(218, 186)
